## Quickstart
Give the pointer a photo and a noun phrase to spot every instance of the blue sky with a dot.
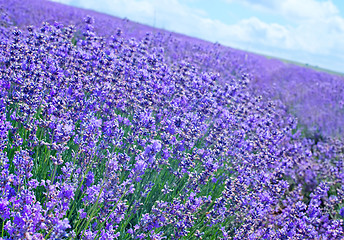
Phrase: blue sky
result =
(306, 31)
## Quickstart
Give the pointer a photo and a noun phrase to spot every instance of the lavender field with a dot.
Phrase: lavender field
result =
(114, 130)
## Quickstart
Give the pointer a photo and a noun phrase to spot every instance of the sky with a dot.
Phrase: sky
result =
(306, 31)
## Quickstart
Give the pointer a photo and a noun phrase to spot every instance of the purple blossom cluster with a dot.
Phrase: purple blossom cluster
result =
(316, 95)
(105, 136)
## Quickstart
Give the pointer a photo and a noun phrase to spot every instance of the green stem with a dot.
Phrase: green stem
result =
(113, 209)
(78, 189)
(2, 228)
(92, 213)
(46, 236)
(53, 177)
(200, 222)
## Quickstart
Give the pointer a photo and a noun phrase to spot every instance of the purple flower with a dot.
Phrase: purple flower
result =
(156, 145)
(23, 164)
(33, 183)
(4, 209)
(82, 213)
(89, 178)
(92, 194)
(341, 212)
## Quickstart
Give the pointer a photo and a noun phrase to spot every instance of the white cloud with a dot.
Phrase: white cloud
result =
(314, 26)
(294, 10)
(64, 1)
(308, 9)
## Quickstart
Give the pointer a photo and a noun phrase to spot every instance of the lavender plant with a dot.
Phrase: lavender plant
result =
(112, 137)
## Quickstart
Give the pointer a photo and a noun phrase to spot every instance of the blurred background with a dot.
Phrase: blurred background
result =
(307, 31)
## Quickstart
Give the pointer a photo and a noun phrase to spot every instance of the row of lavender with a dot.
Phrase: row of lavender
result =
(105, 138)
(316, 98)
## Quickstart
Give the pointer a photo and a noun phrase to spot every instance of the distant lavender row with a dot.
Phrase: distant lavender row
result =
(315, 98)
(114, 138)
